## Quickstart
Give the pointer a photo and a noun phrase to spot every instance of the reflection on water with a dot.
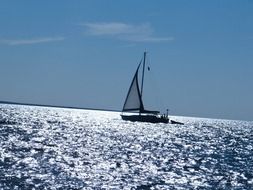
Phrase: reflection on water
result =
(55, 148)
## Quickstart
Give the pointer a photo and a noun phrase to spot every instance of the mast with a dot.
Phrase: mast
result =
(143, 69)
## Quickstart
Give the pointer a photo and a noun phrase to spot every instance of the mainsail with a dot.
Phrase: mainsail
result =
(133, 100)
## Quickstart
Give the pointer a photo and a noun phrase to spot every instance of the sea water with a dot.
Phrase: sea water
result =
(56, 148)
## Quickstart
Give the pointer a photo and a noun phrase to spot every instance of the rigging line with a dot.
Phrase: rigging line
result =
(143, 71)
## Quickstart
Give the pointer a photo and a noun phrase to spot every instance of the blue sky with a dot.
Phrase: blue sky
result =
(84, 53)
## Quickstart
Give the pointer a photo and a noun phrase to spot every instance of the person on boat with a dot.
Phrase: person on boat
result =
(164, 116)
(167, 112)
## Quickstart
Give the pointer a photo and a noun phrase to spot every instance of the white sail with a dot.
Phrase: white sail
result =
(133, 100)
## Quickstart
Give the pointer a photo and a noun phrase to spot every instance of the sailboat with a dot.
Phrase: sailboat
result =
(134, 102)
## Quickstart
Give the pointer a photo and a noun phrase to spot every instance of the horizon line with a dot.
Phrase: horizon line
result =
(105, 109)
(57, 106)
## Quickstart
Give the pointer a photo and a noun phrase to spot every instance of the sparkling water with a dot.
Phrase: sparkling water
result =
(57, 148)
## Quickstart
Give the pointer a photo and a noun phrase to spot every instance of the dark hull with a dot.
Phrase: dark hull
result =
(176, 122)
(145, 118)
